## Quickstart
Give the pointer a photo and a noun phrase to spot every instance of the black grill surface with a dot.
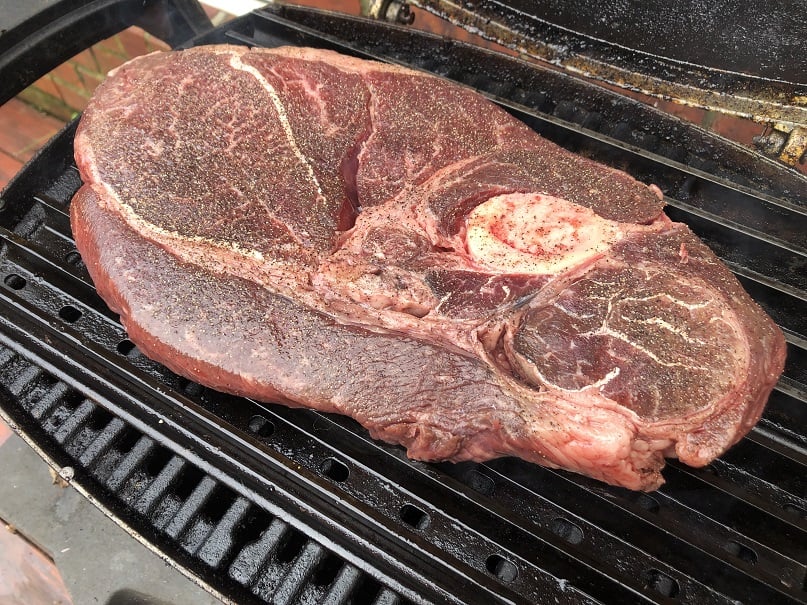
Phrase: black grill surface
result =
(270, 504)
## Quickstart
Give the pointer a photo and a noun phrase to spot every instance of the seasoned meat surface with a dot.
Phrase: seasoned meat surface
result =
(307, 228)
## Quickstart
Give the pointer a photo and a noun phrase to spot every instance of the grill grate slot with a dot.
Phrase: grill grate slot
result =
(14, 281)
(796, 363)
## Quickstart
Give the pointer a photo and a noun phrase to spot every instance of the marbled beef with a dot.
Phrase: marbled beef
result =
(303, 227)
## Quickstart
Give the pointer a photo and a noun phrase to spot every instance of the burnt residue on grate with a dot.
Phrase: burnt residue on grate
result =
(270, 504)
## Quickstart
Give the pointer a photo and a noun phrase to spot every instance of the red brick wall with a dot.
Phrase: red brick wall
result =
(64, 92)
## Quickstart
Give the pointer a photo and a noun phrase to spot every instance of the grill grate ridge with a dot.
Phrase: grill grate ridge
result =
(130, 462)
(104, 439)
(218, 543)
(159, 486)
(190, 507)
(298, 576)
(252, 561)
(386, 597)
(70, 425)
(23, 379)
(339, 591)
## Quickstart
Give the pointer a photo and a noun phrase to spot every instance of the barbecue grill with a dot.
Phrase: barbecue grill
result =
(265, 504)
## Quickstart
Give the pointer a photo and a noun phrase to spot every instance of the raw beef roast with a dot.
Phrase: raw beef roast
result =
(303, 227)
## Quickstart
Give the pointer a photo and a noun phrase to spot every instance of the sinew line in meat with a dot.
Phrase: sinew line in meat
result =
(299, 226)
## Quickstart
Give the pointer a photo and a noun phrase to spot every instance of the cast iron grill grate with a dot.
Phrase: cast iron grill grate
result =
(279, 505)
(209, 525)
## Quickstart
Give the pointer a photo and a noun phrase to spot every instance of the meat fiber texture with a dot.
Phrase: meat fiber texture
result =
(298, 226)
